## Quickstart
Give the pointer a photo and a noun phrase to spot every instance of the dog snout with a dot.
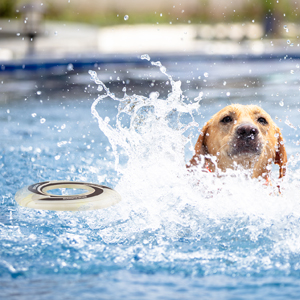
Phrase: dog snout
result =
(247, 132)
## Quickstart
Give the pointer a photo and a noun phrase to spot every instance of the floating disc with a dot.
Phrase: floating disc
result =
(96, 196)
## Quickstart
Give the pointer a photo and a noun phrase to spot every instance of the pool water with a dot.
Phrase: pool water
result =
(133, 128)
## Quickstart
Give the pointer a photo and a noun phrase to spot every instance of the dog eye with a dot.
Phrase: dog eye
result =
(226, 120)
(262, 121)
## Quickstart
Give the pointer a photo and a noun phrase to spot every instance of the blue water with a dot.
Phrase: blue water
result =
(230, 238)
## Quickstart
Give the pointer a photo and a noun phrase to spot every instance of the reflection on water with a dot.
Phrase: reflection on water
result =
(222, 234)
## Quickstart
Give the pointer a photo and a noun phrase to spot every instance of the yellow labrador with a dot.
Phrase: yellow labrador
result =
(242, 135)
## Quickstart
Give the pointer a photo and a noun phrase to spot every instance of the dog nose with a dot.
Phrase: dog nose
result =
(247, 131)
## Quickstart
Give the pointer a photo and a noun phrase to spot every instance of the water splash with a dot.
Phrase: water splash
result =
(232, 215)
(148, 142)
(146, 123)
(170, 226)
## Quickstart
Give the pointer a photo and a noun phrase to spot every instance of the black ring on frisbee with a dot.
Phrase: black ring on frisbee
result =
(96, 196)
(38, 188)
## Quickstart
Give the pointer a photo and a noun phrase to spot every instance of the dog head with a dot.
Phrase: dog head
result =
(243, 135)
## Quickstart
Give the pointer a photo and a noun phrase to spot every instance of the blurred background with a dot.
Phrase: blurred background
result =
(55, 43)
(54, 28)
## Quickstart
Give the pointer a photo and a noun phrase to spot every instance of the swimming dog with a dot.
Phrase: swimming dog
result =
(240, 135)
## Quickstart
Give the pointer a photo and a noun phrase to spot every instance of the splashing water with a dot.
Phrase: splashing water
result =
(148, 143)
(199, 234)
(237, 221)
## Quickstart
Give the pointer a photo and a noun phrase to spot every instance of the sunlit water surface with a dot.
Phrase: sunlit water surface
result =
(172, 236)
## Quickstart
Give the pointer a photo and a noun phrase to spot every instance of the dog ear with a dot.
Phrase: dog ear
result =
(200, 147)
(280, 155)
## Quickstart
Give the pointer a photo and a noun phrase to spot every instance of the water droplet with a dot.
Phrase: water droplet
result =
(288, 41)
(154, 95)
(228, 94)
(126, 17)
(100, 88)
(18, 34)
(55, 32)
(292, 71)
(70, 67)
(63, 126)
(124, 89)
(38, 92)
(145, 56)
(224, 83)
(33, 115)
(57, 157)
(42, 120)
(205, 74)
(287, 122)
(199, 98)
(163, 69)
(281, 103)
(156, 63)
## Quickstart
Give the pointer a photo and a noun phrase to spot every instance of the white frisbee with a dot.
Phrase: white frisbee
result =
(96, 196)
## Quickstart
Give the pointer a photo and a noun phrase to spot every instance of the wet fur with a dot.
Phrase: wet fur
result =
(220, 144)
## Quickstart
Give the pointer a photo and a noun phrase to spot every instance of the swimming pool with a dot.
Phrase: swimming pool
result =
(167, 239)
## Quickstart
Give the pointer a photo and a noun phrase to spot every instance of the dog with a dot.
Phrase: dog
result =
(240, 135)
